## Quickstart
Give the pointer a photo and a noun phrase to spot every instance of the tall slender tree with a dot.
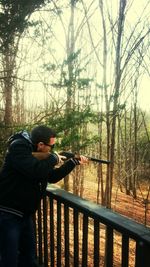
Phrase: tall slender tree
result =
(14, 19)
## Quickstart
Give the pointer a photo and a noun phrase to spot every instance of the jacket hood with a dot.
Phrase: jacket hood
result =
(22, 134)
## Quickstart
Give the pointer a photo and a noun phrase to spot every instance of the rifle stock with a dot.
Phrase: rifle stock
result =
(40, 155)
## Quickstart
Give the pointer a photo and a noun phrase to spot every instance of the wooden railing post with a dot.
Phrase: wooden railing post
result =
(142, 254)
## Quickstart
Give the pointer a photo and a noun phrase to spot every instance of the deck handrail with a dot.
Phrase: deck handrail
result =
(59, 229)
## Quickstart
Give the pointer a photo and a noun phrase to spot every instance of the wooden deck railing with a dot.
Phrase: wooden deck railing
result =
(75, 232)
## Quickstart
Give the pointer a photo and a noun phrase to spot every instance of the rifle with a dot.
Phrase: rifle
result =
(68, 155)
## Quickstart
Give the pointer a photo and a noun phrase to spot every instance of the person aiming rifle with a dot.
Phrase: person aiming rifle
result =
(23, 182)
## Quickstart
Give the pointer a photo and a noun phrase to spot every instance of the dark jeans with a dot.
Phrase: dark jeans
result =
(17, 241)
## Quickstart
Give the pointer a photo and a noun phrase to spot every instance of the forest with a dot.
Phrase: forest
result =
(82, 67)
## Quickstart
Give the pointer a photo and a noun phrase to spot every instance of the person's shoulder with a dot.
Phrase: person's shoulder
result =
(20, 144)
(21, 138)
(19, 141)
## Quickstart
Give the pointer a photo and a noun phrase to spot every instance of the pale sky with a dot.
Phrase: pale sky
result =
(134, 12)
(144, 94)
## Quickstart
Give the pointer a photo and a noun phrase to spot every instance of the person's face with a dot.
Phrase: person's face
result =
(46, 147)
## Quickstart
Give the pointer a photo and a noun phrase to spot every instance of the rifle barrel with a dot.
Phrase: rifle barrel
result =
(99, 160)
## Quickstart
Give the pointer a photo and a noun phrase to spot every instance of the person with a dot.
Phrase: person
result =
(23, 182)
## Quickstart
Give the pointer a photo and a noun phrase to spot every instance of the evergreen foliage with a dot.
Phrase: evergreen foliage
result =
(14, 18)
(70, 129)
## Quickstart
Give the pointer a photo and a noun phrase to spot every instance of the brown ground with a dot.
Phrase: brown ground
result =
(124, 204)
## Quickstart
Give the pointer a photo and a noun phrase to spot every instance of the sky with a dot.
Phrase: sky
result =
(134, 12)
(144, 94)
(144, 90)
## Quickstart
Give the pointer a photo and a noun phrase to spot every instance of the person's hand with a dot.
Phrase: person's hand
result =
(83, 160)
(60, 158)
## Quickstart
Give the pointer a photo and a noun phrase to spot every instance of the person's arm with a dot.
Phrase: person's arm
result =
(24, 163)
(32, 168)
(55, 175)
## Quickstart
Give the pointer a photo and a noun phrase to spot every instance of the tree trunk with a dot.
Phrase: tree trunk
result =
(70, 86)
(8, 63)
(116, 95)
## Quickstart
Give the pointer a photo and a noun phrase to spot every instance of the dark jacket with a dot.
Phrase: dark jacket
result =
(23, 178)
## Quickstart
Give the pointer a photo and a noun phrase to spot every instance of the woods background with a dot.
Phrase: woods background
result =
(81, 66)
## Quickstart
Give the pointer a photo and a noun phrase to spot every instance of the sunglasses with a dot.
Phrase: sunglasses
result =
(51, 146)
